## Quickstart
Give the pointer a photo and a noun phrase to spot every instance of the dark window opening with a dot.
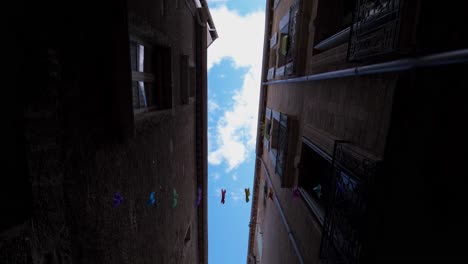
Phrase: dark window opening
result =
(151, 68)
(282, 147)
(347, 13)
(15, 191)
(283, 41)
(315, 176)
(333, 17)
(267, 129)
(345, 225)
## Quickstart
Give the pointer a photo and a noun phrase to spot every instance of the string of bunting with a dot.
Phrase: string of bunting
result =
(118, 198)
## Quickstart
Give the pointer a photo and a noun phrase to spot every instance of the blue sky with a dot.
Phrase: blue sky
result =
(234, 66)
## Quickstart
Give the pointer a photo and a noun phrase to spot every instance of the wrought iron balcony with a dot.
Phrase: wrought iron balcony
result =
(344, 229)
(375, 28)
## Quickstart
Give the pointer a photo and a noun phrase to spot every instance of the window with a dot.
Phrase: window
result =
(274, 129)
(276, 4)
(333, 23)
(377, 26)
(151, 76)
(271, 73)
(266, 128)
(142, 94)
(280, 127)
(315, 178)
(346, 223)
(283, 40)
(282, 150)
(347, 13)
(273, 50)
(273, 40)
(287, 40)
(16, 191)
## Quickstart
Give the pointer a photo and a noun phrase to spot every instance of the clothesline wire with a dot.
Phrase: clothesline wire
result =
(237, 195)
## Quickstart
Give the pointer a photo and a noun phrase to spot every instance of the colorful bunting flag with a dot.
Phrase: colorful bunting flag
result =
(270, 194)
(223, 195)
(199, 196)
(152, 199)
(296, 193)
(118, 199)
(174, 196)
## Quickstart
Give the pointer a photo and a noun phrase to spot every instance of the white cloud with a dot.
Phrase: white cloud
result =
(217, 1)
(216, 176)
(212, 106)
(235, 196)
(234, 177)
(241, 39)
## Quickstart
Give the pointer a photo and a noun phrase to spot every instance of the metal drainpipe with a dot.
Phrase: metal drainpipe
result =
(438, 59)
(283, 217)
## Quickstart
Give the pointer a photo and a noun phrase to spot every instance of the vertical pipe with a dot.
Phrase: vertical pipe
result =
(283, 217)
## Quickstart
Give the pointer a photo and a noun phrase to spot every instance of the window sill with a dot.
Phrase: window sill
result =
(150, 117)
(143, 110)
(266, 142)
(333, 41)
(280, 71)
(330, 60)
(313, 206)
(271, 74)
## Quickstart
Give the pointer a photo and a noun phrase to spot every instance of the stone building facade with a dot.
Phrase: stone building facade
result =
(359, 139)
(110, 100)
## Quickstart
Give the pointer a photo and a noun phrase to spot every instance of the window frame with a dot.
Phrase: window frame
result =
(276, 3)
(317, 209)
(340, 34)
(159, 76)
(283, 155)
(290, 29)
(267, 128)
(138, 74)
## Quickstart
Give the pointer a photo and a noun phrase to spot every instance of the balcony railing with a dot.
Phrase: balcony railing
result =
(344, 229)
(374, 29)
